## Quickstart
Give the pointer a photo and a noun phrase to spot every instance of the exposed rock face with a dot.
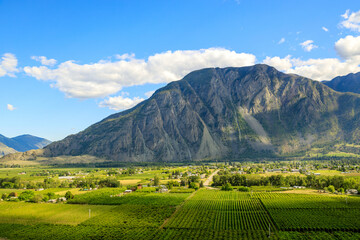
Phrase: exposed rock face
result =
(348, 83)
(222, 113)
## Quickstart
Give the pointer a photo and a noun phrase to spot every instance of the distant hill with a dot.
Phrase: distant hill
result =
(5, 150)
(31, 142)
(223, 113)
(24, 143)
(348, 83)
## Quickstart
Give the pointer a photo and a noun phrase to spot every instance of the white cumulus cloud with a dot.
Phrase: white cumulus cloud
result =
(120, 102)
(323, 68)
(348, 47)
(317, 69)
(8, 65)
(44, 61)
(308, 45)
(108, 77)
(352, 20)
(10, 107)
(280, 64)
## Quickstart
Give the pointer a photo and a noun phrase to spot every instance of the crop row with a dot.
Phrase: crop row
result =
(316, 219)
(205, 194)
(200, 234)
(284, 201)
(226, 205)
(316, 235)
(60, 232)
(226, 212)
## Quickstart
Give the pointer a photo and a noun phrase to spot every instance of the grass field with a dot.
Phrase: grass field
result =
(126, 182)
(31, 213)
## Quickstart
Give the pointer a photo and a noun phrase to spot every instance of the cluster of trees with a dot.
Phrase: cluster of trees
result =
(319, 182)
(30, 196)
(9, 166)
(13, 182)
(175, 173)
(89, 182)
(341, 164)
(192, 182)
(172, 184)
(52, 173)
(233, 179)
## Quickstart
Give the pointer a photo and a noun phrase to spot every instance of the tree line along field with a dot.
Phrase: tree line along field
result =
(203, 214)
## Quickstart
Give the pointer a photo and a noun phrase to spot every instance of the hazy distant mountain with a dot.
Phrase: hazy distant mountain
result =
(226, 113)
(4, 150)
(348, 83)
(24, 142)
(32, 142)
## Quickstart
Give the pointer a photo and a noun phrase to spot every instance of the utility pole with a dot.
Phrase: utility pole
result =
(89, 213)
(269, 230)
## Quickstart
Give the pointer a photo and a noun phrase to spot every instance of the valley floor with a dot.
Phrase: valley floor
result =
(204, 214)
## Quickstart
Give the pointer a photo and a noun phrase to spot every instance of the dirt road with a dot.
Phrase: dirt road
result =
(209, 179)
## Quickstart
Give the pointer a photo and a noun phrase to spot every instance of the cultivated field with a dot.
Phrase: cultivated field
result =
(203, 214)
(174, 203)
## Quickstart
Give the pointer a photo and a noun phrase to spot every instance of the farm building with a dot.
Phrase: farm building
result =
(67, 177)
(352, 191)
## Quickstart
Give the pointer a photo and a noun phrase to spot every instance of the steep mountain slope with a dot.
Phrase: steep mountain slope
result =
(4, 150)
(222, 113)
(348, 83)
(24, 143)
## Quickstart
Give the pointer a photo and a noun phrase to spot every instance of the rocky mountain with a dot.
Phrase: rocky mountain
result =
(219, 113)
(24, 143)
(348, 83)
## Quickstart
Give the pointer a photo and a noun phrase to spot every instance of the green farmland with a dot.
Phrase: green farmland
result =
(204, 214)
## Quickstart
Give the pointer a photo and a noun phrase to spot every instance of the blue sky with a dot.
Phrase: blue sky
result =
(68, 64)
